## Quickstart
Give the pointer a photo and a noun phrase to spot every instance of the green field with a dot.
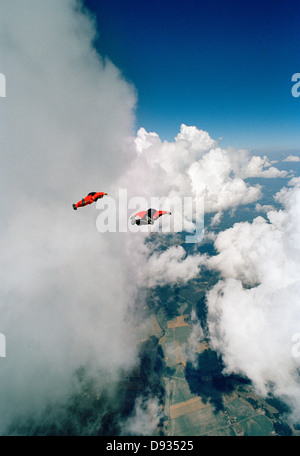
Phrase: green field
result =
(199, 399)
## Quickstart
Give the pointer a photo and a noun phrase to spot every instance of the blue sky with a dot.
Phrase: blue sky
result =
(224, 66)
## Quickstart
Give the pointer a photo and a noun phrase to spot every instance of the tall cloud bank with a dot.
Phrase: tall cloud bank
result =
(253, 313)
(64, 126)
(195, 166)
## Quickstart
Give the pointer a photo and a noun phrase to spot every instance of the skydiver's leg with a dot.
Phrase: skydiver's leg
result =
(143, 221)
(149, 221)
(151, 213)
(80, 203)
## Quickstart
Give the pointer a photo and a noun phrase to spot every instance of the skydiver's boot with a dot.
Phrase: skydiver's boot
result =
(74, 207)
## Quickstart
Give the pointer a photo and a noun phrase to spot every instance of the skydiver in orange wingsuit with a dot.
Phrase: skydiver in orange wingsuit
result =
(89, 199)
(147, 217)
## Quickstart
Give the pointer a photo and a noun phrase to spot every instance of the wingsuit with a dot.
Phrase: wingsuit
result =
(89, 199)
(147, 217)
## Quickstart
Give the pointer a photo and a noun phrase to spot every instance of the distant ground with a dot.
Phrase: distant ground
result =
(199, 400)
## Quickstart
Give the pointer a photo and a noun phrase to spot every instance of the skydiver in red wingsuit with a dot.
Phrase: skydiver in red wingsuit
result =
(147, 217)
(89, 199)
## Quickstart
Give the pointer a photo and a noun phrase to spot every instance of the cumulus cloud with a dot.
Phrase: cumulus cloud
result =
(145, 418)
(194, 165)
(292, 158)
(294, 182)
(197, 334)
(253, 312)
(264, 207)
(261, 167)
(213, 179)
(170, 267)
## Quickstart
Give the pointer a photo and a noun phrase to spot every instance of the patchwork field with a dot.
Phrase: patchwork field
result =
(199, 399)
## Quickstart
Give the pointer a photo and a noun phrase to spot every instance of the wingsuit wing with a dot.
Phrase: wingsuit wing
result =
(141, 214)
(159, 214)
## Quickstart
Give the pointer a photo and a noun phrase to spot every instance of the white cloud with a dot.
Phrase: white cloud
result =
(264, 207)
(197, 334)
(216, 219)
(197, 141)
(253, 327)
(66, 292)
(170, 267)
(294, 182)
(194, 165)
(145, 419)
(261, 167)
(292, 158)
(211, 178)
